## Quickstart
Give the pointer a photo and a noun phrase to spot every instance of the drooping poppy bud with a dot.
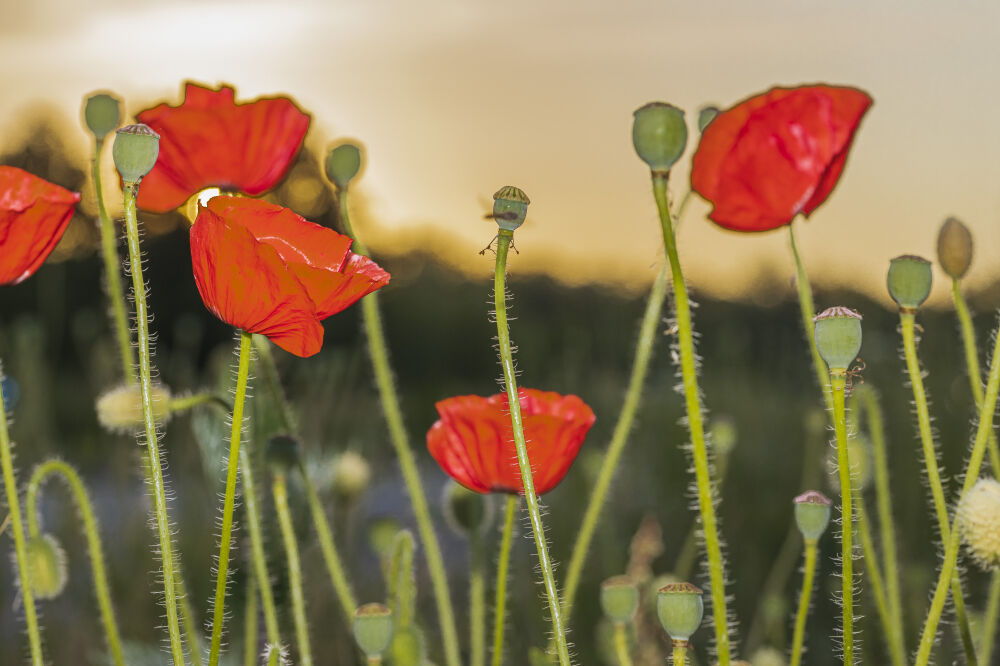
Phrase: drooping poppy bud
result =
(467, 512)
(659, 134)
(282, 453)
(510, 207)
(343, 164)
(101, 113)
(135, 151)
(979, 521)
(954, 248)
(120, 409)
(838, 337)
(812, 514)
(373, 629)
(619, 599)
(351, 475)
(680, 608)
(909, 281)
(47, 563)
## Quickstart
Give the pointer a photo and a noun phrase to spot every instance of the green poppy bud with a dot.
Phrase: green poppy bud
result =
(466, 511)
(619, 599)
(101, 113)
(282, 453)
(909, 281)
(120, 409)
(954, 248)
(407, 647)
(135, 151)
(343, 164)
(979, 521)
(838, 337)
(47, 564)
(812, 514)
(382, 535)
(373, 629)
(723, 430)
(510, 206)
(659, 134)
(680, 609)
(706, 115)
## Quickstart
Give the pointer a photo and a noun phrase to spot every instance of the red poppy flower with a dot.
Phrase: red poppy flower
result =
(264, 269)
(210, 141)
(474, 441)
(33, 216)
(776, 155)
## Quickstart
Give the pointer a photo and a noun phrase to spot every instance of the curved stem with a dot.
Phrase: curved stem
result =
(260, 574)
(225, 538)
(379, 353)
(503, 564)
(870, 557)
(477, 601)
(621, 645)
(699, 451)
(504, 238)
(145, 382)
(280, 490)
(907, 325)
(808, 310)
(17, 527)
(186, 402)
(837, 382)
(990, 619)
(809, 571)
(92, 534)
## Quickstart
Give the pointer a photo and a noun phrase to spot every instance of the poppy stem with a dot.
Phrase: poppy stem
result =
(503, 564)
(990, 619)
(907, 325)
(809, 572)
(145, 381)
(504, 238)
(477, 600)
(279, 489)
(112, 273)
(621, 645)
(808, 309)
(187, 402)
(679, 656)
(874, 571)
(837, 383)
(17, 527)
(379, 353)
(92, 534)
(225, 538)
(250, 623)
(692, 396)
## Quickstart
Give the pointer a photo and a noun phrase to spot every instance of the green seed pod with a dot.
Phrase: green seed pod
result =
(407, 647)
(101, 114)
(659, 134)
(510, 206)
(724, 434)
(838, 337)
(954, 248)
(373, 629)
(351, 475)
(979, 521)
(135, 151)
(119, 409)
(282, 453)
(680, 609)
(812, 514)
(343, 164)
(47, 564)
(909, 281)
(705, 116)
(467, 512)
(619, 599)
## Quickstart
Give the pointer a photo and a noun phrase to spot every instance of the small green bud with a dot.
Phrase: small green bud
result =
(680, 609)
(909, 281)
(979, 521)
(373, 629)
(838, 337)
(407, 647)
(659, 134)
(466, 511)
(724, 434)
(351, 474)
(767, 656)
(954, 248)
(343, 164)
(47, 564)
(101, 114)
(510, 206)
(705, 116)
(812, 514)
(619, 599)
(282, 453)
(135, 151)
(120, 409)
(382, 535)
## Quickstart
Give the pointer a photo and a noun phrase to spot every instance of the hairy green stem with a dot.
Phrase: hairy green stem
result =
(680, 653)
(808, 573)
(990, 619)
(477, 600)
(250, 623)
(882, 607)
(692, 397)
(279, 489)
(378, 350)
(329, 549)
(186, 402)
(503, 564)
(837, 382)
(621, 645)
(808, 310)
(689, 551)
(145, 383)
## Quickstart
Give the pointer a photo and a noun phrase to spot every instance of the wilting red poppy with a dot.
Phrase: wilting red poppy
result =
(264, 269)
(33, 216)
(210, 141)
(776, 155)
(474, 441)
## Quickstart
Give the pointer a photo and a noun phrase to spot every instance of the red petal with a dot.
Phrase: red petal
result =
(34, 214)
(334, 292)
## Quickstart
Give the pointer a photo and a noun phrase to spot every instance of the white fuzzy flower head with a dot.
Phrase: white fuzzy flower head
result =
(979, 520)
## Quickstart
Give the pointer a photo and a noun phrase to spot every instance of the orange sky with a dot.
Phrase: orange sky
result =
(455, 99)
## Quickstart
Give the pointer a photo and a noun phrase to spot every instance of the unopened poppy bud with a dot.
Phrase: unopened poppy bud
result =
(467, 512)
(838, 337)
(705, 116)
(120, 408)
(373, 629)
(766, 656)
(723, 431)
(101, 113)
(135, 151)
(343, 164)
(282, 453)
(619, 599)
(510, 206)
(979, 520)
(659, 134)
(680, 609)
(812, 514)
(860, 458)
(909, 281)
(351, 475)
(382, 535)
(954, 248)
(407, 646)
(47, 564)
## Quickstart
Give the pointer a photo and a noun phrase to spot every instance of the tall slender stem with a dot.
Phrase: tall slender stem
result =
(329, 549)
(990, 619)
(503, 564)
(837, 383)
(379, 353)
(692, 397)
(225, 538)
(250, 623)
(874, 571)
(145, 382)
(477, 600)
(808, 310)
(17, 527)
(621, 645)
(279, 489)
(504, 238)
(907, 325)
(809, 572)
(92, 534)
